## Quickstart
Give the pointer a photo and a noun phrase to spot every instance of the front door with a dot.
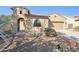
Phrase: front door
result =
(21, 25)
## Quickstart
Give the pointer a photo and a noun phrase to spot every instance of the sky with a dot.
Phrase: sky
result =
(63, 10)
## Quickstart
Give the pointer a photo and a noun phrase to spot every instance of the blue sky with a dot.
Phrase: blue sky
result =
(64, 10)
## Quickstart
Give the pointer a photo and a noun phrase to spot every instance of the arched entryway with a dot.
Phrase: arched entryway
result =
(21, 24)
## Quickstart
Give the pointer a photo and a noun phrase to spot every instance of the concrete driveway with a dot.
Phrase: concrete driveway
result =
(69, 33)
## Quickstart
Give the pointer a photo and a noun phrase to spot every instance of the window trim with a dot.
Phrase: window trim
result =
(36, 25)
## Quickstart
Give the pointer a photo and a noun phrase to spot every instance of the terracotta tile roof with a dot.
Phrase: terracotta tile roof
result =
(71, 17)
(34, 15)
(37, 15)
(76, 18)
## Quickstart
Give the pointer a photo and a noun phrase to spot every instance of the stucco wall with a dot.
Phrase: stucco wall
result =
(44, 23)
(17, 11)
(57, 17)
(76, 23)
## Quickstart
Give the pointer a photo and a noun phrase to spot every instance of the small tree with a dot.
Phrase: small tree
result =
(6, 17)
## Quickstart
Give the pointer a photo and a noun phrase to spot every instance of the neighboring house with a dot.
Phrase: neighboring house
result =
(69, 22)
(76, 20)
(61, 22)
(72, 21)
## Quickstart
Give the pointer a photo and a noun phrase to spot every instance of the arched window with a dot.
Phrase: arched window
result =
(37, 23)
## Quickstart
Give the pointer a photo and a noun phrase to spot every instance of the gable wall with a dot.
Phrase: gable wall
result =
(57, 17)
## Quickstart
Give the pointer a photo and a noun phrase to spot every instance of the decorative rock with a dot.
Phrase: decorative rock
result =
(12, 46)
(72, 43)
(56, 50)
(38, 42)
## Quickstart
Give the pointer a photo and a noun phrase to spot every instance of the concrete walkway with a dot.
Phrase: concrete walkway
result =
(69, 33)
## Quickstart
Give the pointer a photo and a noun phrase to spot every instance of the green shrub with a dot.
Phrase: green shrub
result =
(50, 32)
(76, 28)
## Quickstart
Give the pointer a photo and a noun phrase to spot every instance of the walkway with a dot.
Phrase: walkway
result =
(69, 33)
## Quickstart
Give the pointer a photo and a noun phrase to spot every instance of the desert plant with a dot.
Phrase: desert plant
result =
(60, 47)
(5, 18)
(76, 28)
(50, 32)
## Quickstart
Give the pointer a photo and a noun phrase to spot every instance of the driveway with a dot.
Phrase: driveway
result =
(69, 33)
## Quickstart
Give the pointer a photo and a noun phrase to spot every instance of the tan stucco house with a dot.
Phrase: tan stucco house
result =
(23, 20)
(72, 22)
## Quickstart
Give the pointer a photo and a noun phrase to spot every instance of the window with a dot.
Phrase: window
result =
(55, 16)
(77, 20)
(20, 12)
(37, 23)
(28, 12)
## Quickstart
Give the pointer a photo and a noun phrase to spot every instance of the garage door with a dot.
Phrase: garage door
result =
(58, 25)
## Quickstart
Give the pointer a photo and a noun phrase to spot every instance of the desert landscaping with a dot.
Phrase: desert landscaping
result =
(26, 32)
(39, 42)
